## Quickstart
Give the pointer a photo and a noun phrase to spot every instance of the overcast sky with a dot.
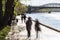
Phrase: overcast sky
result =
(38, 2)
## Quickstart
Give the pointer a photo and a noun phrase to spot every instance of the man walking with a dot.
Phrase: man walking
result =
(28, 26)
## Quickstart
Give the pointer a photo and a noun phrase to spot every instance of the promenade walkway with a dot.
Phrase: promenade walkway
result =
(18, 32)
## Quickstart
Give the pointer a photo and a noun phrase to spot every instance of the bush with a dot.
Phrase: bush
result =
(4, 32)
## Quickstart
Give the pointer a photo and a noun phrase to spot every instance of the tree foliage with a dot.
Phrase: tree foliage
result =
(20, 8)
(4, 32)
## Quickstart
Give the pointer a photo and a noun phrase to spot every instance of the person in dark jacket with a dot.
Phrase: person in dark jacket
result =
(28, 26)
(24, 17)
(37, 27)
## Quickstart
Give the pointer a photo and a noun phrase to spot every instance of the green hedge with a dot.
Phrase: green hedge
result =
(4, 32)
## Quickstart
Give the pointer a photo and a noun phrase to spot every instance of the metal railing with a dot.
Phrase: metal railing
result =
(49, 27)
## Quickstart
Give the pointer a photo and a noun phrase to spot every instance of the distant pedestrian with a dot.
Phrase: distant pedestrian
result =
(24, 17)
(37, 27)
(16, 20)
(28, 26)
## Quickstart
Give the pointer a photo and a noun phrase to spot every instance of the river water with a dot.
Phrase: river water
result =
(50, 19)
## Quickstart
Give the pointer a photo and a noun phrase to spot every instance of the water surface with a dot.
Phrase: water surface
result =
(52, 19)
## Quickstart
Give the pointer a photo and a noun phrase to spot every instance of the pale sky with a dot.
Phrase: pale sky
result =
(38, 2)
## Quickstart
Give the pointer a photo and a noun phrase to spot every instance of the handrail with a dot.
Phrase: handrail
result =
(48, 27)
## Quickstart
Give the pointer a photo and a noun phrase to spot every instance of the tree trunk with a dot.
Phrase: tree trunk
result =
(1, 14)
(9, 11)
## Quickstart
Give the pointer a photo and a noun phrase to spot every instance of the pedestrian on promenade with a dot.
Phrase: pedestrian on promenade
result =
(28, 26)
(37, 27)
(22, 17)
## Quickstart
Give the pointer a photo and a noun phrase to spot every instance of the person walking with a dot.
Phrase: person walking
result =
(28, 26)
(24, 17)
(37, 27)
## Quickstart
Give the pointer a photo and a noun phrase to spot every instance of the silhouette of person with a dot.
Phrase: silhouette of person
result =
(24, 17)
(28, 26)
(37, 27)
(16, 20)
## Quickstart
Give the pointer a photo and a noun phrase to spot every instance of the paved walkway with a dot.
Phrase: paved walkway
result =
(18, 32)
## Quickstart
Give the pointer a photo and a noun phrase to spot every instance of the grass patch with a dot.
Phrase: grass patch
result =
(4, 32)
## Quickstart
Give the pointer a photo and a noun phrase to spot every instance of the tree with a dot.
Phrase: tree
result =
(7, 9)
(9, 12)
(1, 15)
(20, 8)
